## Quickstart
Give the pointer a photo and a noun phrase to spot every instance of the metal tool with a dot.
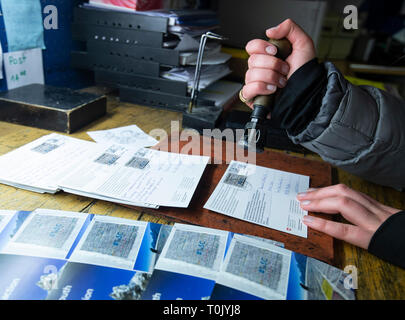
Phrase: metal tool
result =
(197, 73)
(200, 117)
(255, 131)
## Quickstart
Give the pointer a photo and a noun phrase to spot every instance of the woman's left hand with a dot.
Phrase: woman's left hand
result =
(365, 213)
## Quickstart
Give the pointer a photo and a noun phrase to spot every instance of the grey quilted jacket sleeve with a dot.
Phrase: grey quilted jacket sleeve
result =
(360, 129)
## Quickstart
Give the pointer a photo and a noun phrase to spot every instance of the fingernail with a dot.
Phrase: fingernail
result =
(305, 203)
(285, 69)
(282, 81)
(301, 195)
(307, 219)
(271, 88)
(312, 189)
(271, 50)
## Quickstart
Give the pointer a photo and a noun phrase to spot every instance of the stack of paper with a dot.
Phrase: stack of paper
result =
(214, 62)
(39, 165)
(209, 75)
(116, 173)
(188, 47)
(136, 176)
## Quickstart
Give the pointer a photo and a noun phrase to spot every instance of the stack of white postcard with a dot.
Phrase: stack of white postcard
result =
(39, 165)
(134, 176)
(112, 172)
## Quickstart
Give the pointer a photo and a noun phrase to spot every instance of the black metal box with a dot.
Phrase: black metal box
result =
(51, 108)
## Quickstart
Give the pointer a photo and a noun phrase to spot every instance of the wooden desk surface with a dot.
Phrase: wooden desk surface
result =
(376, 278)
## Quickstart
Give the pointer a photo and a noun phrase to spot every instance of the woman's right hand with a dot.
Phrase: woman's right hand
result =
(266, 73)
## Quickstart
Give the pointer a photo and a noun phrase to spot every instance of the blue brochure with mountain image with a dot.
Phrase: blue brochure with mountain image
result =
(60, 255)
